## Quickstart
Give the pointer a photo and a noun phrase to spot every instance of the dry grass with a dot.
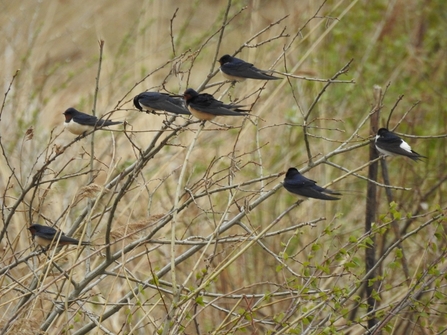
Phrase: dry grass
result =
(248, 258)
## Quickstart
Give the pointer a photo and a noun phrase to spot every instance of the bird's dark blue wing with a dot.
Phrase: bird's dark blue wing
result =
(239, 68)
(84, 119)
(309, 191)
(206, 103)
(300, 185)
(162, 102)
(48, 234)
(300, 180)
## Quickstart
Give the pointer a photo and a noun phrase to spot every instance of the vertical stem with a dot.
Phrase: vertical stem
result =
(92, 152)
(389, 195)
(95, 99)
(371, 207)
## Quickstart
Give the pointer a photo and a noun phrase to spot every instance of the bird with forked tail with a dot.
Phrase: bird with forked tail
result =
(46, 236)
(79, 123)
(296, 183)
(204, 107)
(389, 144)
(236, 69)
(156, 101)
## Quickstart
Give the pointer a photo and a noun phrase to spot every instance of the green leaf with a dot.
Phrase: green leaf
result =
(199, 300)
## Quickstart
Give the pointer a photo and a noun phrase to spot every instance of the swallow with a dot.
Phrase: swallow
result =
(389, 144)
(45, 236)
(160, 102)
(296, 183)
(205, 107)
(236, 69)
(79, 123)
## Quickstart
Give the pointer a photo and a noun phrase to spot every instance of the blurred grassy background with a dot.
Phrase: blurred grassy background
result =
(55, 46)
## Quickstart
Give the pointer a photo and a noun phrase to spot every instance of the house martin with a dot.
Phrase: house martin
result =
(389, 144)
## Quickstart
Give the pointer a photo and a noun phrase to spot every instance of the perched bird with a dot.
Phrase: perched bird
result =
(45, 236)
(296, 183)
(236, 69)
(160, 102)
(79, 123)
(205, 107)
(389, 144)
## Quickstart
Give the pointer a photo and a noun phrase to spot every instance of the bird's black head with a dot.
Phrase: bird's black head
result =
(69, 113)
(225, 59)
(34, 228)
(291, 172)
(136, 103)
(382, 132)
(189, 94)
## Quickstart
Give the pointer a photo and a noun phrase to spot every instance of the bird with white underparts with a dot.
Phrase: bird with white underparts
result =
(79, 123)
(46, 236)
(389, 144)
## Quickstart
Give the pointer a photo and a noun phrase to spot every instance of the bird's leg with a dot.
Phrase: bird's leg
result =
(81, 136)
